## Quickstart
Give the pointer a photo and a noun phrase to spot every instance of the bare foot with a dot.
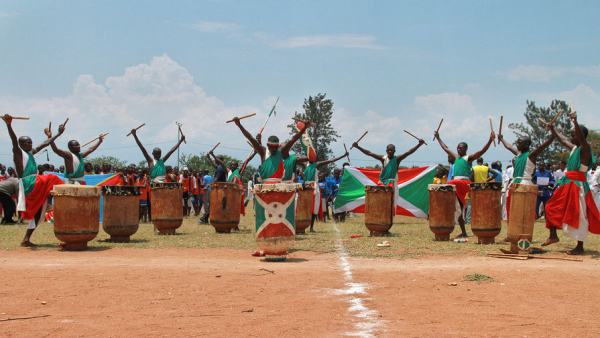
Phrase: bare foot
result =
(508, 252)
(28, 244)
(575, 252)
(550, 240)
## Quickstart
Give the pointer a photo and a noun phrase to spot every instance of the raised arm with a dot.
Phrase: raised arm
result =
(534, 154)
(210, 160)
(255, 144)
(50, 139)
(444, 146)
(58, 151)
(368, 152)
(410, 151)
(480, 153)
(586, 151)
(166, 157)
(141, 146)
(301, 159)
(245, 164)
(326, 162)
(217, 161)
(507, 145)
(285, 149)
(94, 147)
(17, 155)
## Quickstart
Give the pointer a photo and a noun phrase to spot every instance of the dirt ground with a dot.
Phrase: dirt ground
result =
(227, 293)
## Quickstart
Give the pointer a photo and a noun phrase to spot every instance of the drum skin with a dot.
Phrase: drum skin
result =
(167, 207)
(304, 208)
(120, 218)
(522, 215)
(379, 209)
(486, 211)
(225, 201)
(76, 215)
(442, 210)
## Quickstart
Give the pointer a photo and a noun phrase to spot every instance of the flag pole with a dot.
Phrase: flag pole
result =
(269, 116)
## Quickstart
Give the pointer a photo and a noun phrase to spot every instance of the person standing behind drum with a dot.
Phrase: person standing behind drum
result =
(156, 163)
(461, 173)
(390, 162)
(74, 165)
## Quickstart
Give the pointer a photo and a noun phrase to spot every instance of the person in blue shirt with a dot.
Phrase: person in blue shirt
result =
(207, 182)
(544, 188)
(496, 172)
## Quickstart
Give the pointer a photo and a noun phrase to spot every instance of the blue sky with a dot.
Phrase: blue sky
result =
(388, 66)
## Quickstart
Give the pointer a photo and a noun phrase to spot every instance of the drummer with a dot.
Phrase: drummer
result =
(156, 163)
(34, 189)
(74, 164)
(461, 174)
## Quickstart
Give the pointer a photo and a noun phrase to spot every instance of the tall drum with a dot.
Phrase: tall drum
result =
(379, 209)
(275, 209)
(442, 210)
(225, 202)
(486, 211)
(121, 213)
(167, 207)
(522, 214)
(76, 214)
(304, 207)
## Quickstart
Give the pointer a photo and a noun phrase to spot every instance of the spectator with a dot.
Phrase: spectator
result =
(560, 172)
(545, 182)
(207, 180)
(8, 188)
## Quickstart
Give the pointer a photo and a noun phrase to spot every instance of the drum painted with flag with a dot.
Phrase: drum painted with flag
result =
(167, 207)
(76, 214)
(486, 211)
(379, 209)
(120, 217)
(225, 201)
(442, 210)
(304, 207)
(522, 214)
(275, 208)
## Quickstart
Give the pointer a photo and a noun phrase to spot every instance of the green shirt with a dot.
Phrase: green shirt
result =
(310, 172)
(29, 174)
(520, 163)
(158, 169)
(389, 173)
(79, 171)
(289, 166)
(272, 167)
(462, 167)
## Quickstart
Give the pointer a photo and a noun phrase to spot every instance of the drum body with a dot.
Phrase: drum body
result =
(275, 210)
(121, 213)
(379, 209)
(304, 207)
(486, 211)
(522, 215)
(225, 201)
(442, 210)
(167, 207)
(76, 214)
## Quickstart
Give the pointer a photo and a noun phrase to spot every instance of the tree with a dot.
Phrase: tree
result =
(319, 111)
(113, 161)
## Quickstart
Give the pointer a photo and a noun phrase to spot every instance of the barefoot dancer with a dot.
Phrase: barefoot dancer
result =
(572, 206)
(34, 189)
(462, 172)
(156, 164)
(74, 165)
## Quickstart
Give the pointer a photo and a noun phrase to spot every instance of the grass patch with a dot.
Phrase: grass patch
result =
(478, 277)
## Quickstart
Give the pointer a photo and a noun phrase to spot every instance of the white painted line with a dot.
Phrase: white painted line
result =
(367, 320)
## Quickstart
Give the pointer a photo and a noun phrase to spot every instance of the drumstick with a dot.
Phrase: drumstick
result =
(438, 128)
(215, 147)
(360, 138)
(180, 132)
(101, 135)
(242, 117)
(556, 116)
(20, 117)
(141, 125)
(492, 129)
(500, 129)
(347, 155)
(409, 133)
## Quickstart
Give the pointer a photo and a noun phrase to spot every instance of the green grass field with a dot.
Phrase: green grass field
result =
(410, 238)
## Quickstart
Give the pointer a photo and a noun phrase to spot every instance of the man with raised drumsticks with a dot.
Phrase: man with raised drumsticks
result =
(74, 164)
(156, 163)
(462, 173)
(34, 189)
(572, 206)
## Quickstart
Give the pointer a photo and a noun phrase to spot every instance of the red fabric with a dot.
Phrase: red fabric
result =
(563, 207)
(593, 215)
(508, 204)
(243, 207)
(462, 189)
(41, 190)
(576, 176)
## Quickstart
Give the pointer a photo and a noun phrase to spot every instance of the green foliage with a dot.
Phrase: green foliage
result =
(319, 111)
(113, 161)
(478, 277)
(534, 128)
(201, 162)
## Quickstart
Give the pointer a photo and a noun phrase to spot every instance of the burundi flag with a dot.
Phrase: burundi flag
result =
(306, 143)
(275, 214)
(412, 199)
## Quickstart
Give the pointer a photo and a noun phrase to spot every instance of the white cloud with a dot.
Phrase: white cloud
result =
(537, 73)
(583, 98)
(215, 26)
(4, 15)
(359, 41)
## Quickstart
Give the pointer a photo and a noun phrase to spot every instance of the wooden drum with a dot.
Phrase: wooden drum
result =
(76, 214)
(486, 211)
(304, 207)
(442, 210)
(121, 213)
(522, 215)
(379, 209)
(275, 210)
(167, 207)
(225, 201)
